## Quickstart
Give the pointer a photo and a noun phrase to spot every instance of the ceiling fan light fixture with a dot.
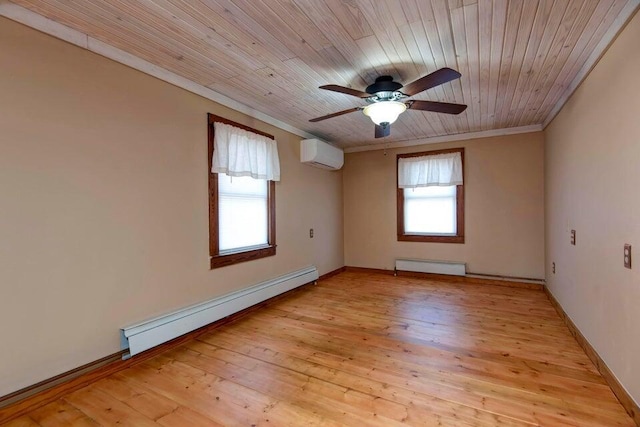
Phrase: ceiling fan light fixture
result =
(384, 111)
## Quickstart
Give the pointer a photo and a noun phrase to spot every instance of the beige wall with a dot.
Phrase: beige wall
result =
(103, 205)
(592, 183)
(504, 216)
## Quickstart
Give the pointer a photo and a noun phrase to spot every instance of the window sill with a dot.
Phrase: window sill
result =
(430, 238)
(219, 261)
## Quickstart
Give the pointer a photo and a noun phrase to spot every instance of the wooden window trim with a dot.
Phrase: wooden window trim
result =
(224, 260)
(402, 236)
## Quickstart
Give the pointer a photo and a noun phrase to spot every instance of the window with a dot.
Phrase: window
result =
(430, 196)
(242, 212)
(241, 208)
(439, 202)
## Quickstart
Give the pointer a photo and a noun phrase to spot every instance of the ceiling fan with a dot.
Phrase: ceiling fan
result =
(386, 100)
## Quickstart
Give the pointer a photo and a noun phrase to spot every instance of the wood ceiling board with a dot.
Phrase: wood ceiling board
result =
(565, 37)
(330, 25)
(293, 16)
(485, 15)
(561, 15)
(227, 32)
(540, 20)
(498, 28)
(411, 44)
(350, 17)
(442, 17)
(135, 43)
(325, 99)
(245, 23)
(186, 19)
(518, 59)
(430, 25)
(524, 26)
(389, 36)
(381, 63)
(337, 63)
(471, 32)
(428, 58)
(577, 42)
(602, 24)
(158, 24)
(508, 52)
(460, 43)
(280, 29)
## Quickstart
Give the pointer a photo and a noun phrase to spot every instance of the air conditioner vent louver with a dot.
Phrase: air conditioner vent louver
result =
(320, 154)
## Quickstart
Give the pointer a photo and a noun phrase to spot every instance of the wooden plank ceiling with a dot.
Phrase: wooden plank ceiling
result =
(517, 57)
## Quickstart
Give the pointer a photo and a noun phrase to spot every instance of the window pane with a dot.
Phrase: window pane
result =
(430, 210)
(242, 211)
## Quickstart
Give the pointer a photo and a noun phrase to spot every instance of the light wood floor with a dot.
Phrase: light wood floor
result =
(363, 349)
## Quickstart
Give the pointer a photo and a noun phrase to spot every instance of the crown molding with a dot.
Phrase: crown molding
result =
(48, 26)
(446, 138)
(598, 52)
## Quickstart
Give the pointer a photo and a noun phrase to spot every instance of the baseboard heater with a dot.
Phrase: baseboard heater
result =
(454, 268)
(145, 335)
(429, 266)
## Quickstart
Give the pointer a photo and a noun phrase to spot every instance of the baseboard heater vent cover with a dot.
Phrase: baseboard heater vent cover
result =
(145, 335)
(429, 266)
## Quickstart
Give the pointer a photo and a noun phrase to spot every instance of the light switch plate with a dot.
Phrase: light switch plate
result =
(627, 255)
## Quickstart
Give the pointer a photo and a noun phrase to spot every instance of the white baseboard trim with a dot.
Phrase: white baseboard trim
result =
(506, 278)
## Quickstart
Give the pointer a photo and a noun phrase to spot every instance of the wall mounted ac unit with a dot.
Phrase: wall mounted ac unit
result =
(320, 154)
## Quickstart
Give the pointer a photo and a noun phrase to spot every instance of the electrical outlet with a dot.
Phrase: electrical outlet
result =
(627, 255)
(553, 267)
(573, 237)
(311, 233)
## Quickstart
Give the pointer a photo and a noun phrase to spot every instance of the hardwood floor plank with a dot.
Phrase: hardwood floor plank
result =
(429, 380)
(60, 413)
(186, 417)
(403, 377)
(225, 402)
(329, 399)
(383, 321)
(440, 411)
(22, 422)
(106, 410)
(299, 329)
(151, 405)
(363, 349)
(451, 361)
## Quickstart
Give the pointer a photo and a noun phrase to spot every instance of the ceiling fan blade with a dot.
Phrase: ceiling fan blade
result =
(339, 113)
(443, 75)
(346, 90)
(381, 131)
(438, 107)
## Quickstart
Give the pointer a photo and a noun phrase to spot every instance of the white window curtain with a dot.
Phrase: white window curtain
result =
(237, 152)
(427, 171)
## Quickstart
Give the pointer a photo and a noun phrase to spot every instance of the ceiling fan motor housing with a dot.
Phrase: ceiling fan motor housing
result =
(383, 84)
